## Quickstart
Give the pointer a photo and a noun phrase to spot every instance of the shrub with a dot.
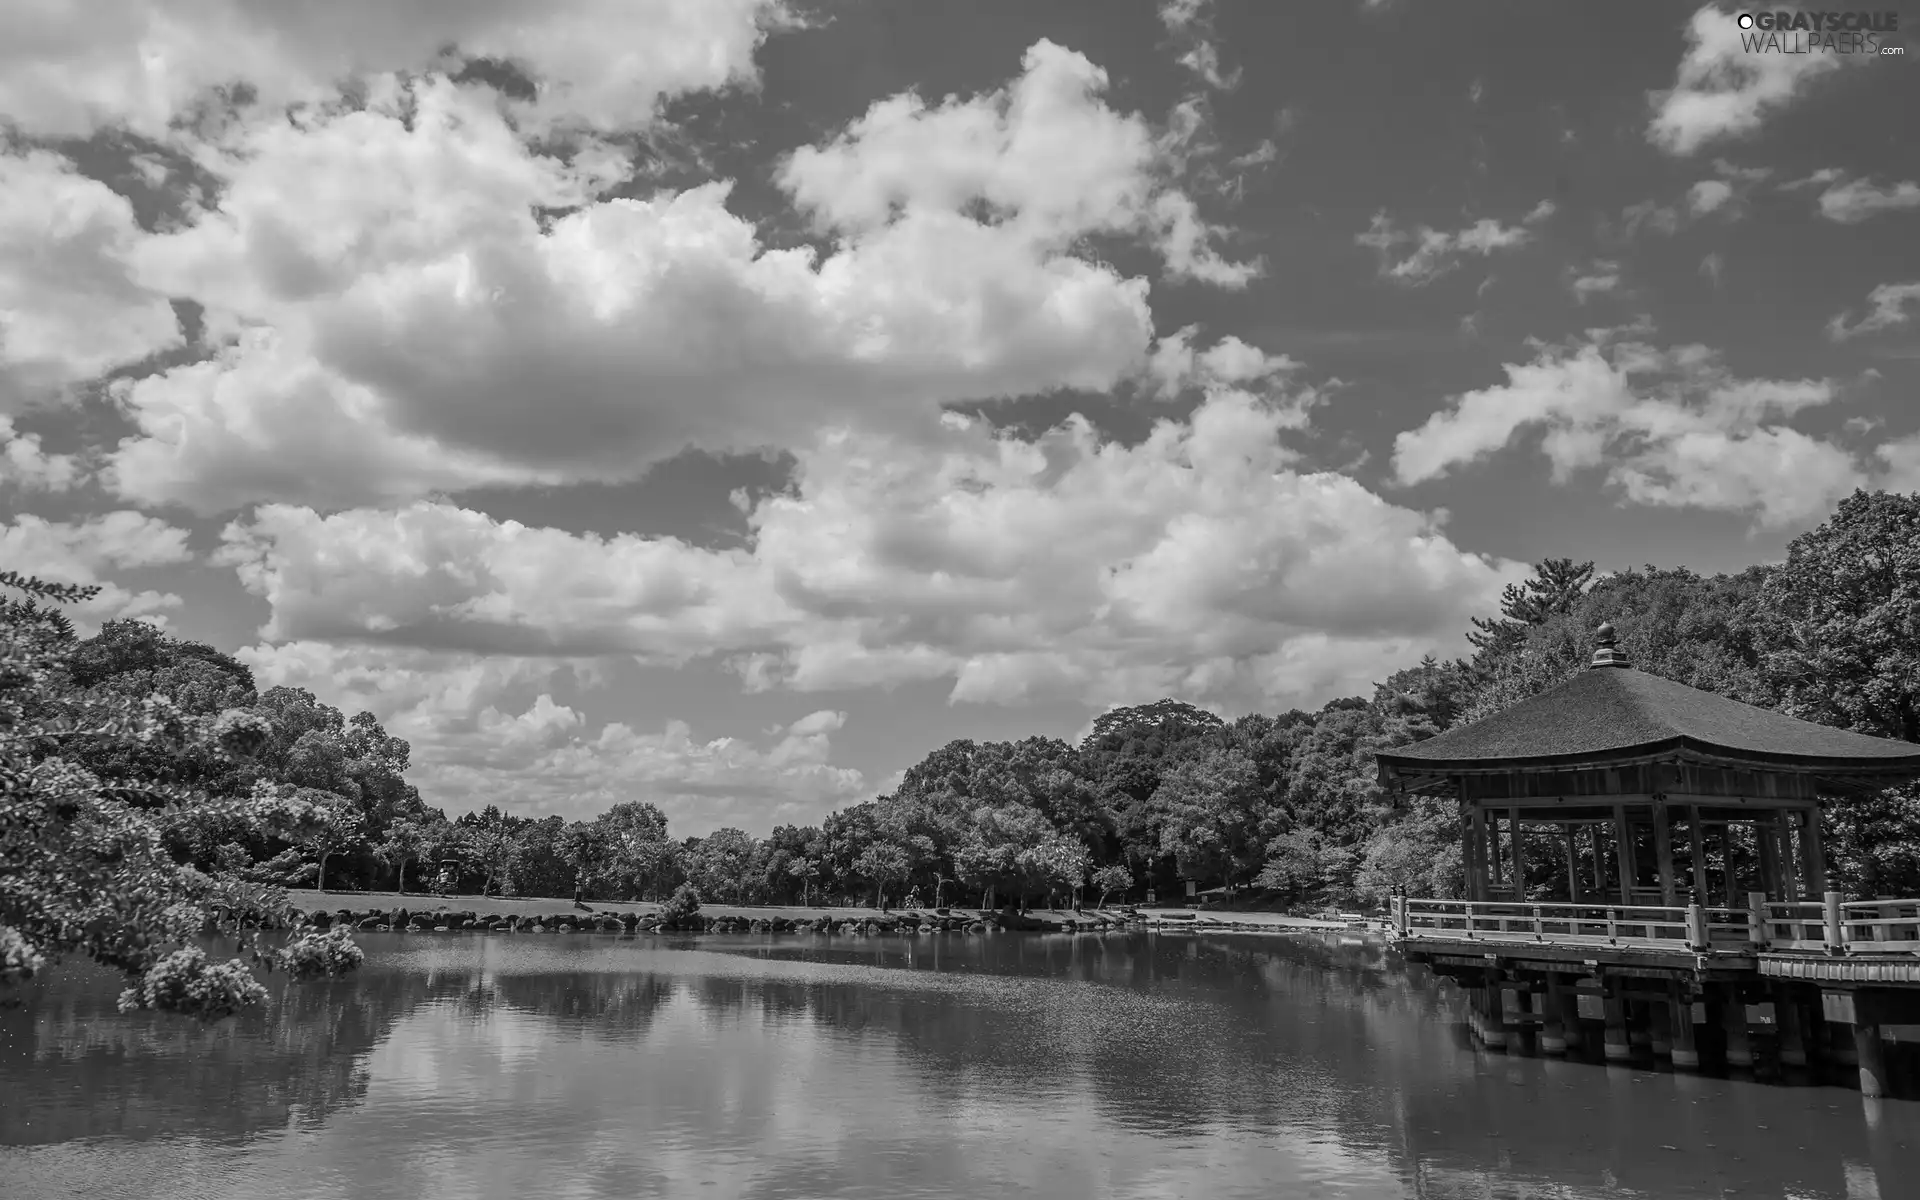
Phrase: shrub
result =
(683, 905)
(185, 982)
(314, 955)
(18, 960)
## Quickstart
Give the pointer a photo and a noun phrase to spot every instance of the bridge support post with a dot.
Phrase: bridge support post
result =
(1515, 1010)
(1733, 1018)
(1792, 1025)
(1553, 1029)
(1570, 1027)
(1493, 1029)
(1639, 1025)
(1872, 1053)
(1661, 1025)
(1840, 1045)
(1618, 1048)
(1686, 1048)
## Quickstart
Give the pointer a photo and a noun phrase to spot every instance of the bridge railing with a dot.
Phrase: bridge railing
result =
(1829, 925)
(1588, 924)
(1881, 926)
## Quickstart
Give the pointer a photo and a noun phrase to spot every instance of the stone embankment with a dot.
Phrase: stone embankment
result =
(628, 922)
(905, 921)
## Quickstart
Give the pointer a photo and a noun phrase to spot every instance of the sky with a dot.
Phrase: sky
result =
(724, 403)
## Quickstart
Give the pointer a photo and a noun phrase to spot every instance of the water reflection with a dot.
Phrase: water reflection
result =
(1116, 1065)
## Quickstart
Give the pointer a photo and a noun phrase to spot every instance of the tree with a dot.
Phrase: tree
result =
(536, 867)
(720, 866)
(84, 861)
(1840, 619)
(486, 842)
(586, 847)
(409, 840)
(806, 870)
(1057, 863)
(883, 863)
(326, 823)
(1114, 877)
(1554, 588)
(1838, 625)
(1305, 862)
(1209, 806)
(1167, 716)
(1418, 853)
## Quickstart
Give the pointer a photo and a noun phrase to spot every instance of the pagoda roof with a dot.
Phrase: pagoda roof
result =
(1611, 714)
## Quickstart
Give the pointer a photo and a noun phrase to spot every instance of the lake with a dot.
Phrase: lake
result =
(977, 1066)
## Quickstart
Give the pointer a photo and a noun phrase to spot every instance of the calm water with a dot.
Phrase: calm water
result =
(1007, 1065)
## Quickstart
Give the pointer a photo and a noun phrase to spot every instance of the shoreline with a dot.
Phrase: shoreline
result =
(425, 912)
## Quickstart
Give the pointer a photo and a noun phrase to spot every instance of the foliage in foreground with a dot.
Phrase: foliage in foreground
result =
(105, 795)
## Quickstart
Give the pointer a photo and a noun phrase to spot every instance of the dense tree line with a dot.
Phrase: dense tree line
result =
(1156, 797)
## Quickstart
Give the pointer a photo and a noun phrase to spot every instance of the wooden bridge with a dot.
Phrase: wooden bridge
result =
(1818, 982)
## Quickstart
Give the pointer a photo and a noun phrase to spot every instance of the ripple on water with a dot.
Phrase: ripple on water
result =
(1123, 1066)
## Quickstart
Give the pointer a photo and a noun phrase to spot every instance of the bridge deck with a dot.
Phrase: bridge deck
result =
(1829, 940)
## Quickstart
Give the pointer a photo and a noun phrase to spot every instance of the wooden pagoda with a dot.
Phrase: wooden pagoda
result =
(1650, 789)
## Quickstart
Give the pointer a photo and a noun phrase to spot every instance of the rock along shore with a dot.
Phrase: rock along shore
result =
(443, 919)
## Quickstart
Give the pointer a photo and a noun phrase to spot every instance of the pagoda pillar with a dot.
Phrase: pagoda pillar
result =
(1623, 835)
(1697, 850)
(1663, 851)
(1573, 864)
(1517, 873)
(1729, 878)
(1477, 853)
(1790, 882)
(1766, 839)
(1816, 858)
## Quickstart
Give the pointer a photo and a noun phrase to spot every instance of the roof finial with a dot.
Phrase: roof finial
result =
(1604, 654)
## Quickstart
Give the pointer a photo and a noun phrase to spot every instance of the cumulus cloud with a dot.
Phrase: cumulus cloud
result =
(1851, 201)
(414, 326)
(1722, 91)
(1048, 159)
(69, 68)
(1726, 195)
(1901, 459)
(1191, 24)
(1175, 365)
(1599, 278)
(1436, 252)
(498, 586)
(24, 464)
(1669, 427)
(88, 551)
(72, 309)
(1649, 215)
(1199, 561)
(485, 729)
(1709, 195)
(1890, 301)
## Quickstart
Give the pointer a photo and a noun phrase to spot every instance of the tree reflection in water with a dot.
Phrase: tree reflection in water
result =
(766, 1066)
